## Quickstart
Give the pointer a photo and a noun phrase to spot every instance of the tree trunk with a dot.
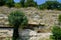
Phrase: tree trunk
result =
(15, 33)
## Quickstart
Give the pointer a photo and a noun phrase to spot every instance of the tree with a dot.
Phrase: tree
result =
(56, 33)
(10, 3)
(51, 0)
(43, 6)
(22, 2)
(17, 19)
(51, 5)
(30, 3)
(2, 2)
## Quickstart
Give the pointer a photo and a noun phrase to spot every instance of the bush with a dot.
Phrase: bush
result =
(30, 3)
(18, 5)
(56, 33)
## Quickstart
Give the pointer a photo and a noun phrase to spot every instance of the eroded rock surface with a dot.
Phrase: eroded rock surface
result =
(28, 34)
(35, 16)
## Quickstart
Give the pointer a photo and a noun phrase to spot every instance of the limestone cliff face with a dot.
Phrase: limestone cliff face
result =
(35, 16)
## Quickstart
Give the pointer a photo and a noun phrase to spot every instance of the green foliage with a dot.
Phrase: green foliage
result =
(43, 6)
(51, 5)
(17, 19)
(9, 3)
(17, 5)
(22, 2)
(30, 3)
(59, 19)
(2, 2)
(56, 31)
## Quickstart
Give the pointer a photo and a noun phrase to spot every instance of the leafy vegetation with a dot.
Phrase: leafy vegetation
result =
(30, 3)
(17, 5)
(9, 3)
(2, 2)
(56, 31)
(22, 2)
(51, 5)
(17, 19)
(59, 19)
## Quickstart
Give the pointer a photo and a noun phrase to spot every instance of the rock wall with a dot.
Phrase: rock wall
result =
(6, 33)
(35, 16)
(28, 34)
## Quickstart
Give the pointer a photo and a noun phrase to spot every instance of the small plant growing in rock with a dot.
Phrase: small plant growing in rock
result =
(59, 19)
(17, 19)
(7, 38)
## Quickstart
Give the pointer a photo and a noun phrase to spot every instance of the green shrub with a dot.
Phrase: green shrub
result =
(56, 33)
(59, 19)
(9, 3)
(18, 5)
(22, 2)
(30, 3)
(2, 2)
(17, 19)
